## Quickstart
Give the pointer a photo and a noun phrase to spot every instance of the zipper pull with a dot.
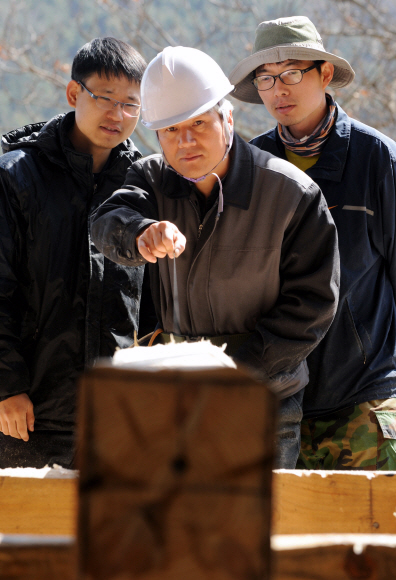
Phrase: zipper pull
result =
(200, 230)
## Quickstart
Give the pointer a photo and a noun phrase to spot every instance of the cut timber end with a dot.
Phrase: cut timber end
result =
(175, 475)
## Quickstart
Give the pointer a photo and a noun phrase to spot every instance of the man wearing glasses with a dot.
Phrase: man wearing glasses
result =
(350, 400)
(62, 304)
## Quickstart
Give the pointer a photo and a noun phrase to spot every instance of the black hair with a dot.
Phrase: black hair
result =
(110, 57)
(318, 65)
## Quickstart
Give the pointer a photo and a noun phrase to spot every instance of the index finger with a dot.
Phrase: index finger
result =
(179, 244)
(169, 237)
(21, 428)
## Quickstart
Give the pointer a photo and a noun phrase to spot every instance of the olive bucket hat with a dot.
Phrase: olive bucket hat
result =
(285, 38)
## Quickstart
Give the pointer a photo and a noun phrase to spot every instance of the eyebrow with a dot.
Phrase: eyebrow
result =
(288, 61)
(111, 92)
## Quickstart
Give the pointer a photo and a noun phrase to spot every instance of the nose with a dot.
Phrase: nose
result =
(280, 88)
(116, 112)
(186, 138)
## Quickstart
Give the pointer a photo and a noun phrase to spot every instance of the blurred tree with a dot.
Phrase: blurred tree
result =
(39, 39)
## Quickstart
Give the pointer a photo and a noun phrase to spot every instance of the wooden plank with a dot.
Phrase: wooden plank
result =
(175, 475)
(334, 502)
(38, 506)
(32, 559)
(303, 502)
(340, 557)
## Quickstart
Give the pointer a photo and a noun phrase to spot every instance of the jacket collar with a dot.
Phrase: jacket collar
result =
(52, 140)
(237, 184)
(118, 162)
(332, 160)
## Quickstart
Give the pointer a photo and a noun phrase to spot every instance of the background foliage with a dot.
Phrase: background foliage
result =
(38, 39)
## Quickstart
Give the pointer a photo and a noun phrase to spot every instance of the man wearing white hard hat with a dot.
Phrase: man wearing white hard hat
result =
(350, 401)
(257, 259)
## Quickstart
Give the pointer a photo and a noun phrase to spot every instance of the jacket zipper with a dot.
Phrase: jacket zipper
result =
(87, 349)
(355, 332)
(201, 225)
(197, 256)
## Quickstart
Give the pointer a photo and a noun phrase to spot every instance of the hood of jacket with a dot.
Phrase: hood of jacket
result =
(52, 140)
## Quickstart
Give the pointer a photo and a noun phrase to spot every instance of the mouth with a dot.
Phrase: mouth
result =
(110, 129)
(284, 108)
(189, 158)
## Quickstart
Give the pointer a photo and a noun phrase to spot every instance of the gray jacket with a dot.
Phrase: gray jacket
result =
(268, 265)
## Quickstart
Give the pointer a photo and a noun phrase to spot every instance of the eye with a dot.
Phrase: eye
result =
(131, 107)
(292, 73)
(264, 78)
(104, 99)
(170, 129)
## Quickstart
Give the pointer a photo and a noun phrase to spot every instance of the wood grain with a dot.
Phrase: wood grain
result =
(175, 476)
(32, 561)
(339, 558)
(310, 502)
(303, 502)
(38, 506)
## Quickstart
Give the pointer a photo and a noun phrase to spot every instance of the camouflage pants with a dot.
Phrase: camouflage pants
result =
(360, 437)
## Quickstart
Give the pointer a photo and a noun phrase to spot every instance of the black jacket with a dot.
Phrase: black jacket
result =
(356, 361)
(268, 266)
(62, 304)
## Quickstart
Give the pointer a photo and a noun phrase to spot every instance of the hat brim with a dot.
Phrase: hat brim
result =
(184, 116)
(243, 74)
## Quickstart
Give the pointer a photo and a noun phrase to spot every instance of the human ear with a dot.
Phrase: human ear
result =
(327, 72)
(72, 90)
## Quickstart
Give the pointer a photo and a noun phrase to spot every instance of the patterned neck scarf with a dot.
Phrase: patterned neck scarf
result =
(313, 144)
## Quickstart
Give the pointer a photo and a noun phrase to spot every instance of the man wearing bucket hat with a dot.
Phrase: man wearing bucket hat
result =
(350, 401)
(258, 258)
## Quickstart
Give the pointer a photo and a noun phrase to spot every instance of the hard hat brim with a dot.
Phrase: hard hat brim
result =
(163, 123)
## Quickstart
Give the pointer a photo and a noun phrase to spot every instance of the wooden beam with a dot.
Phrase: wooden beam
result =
(303, 502)
(307, 557)
(38, 506)
(334, 557)
(313, 502)
(37, 558)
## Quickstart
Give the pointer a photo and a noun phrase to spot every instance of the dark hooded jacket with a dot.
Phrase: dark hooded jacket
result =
(356, 361)
(62, 304)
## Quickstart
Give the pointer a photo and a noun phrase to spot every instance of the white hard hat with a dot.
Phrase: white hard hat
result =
(179, 84)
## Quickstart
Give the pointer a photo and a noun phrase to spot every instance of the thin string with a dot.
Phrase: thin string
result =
(176, 305)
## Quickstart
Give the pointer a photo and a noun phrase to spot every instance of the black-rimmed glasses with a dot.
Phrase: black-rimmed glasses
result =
(288, 77)
(107, 104)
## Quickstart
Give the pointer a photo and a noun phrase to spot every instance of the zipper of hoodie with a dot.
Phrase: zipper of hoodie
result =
(214, 207)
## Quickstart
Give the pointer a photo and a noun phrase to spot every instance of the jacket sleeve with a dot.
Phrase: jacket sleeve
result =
(14, 373)
(117, 222)
(383, 220)
(307, 300)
